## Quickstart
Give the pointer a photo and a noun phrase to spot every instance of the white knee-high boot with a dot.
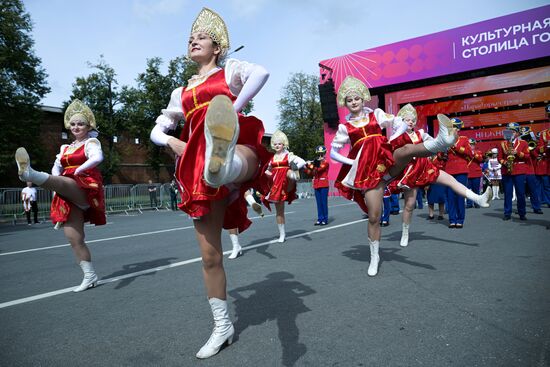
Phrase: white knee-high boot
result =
(483, 199)
(496, 190)
(237, 249)
(223, 329)
(90, 277)
(254, 205)
(446, 137)
(281, 233)
(221, 131)
(405, 235)
(374, 257)
(25, 171)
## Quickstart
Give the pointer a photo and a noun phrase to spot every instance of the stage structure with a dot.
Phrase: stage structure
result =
(487, 73)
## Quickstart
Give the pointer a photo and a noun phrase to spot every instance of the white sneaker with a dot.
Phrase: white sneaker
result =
(221, 131)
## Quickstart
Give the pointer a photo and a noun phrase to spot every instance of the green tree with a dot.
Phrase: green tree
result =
(300, 116)
(22, 86)
(99, 91)
(142, 104)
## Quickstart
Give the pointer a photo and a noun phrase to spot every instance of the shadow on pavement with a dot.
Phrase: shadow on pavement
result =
(137, 267)
(277, 298)
(362, 253)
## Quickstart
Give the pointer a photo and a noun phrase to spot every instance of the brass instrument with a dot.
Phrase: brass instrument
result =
(510, 158)
(532, 144)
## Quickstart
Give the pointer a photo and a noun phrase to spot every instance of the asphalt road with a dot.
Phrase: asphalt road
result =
(478, 296)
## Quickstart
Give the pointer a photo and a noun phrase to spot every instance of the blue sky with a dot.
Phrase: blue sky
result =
(285, 36)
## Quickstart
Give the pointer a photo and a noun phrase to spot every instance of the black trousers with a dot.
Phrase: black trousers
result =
(34, 209)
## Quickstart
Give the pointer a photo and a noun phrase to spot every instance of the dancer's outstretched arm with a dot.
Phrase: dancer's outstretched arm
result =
(245, 80)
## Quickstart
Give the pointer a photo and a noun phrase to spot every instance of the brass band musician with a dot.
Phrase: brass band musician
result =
(513, 155)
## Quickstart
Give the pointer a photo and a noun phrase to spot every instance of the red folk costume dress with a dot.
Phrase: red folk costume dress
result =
(196, 195)
(89, 180)
(421, 171)
(279, 169)
(370, 151)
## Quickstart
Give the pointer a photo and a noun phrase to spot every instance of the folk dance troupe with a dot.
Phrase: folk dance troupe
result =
(220, 160)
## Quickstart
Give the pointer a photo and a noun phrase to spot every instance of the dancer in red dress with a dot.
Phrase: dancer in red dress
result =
(421, 171)
(236, 250)
(370, 164)
(77, 183)
(219, 155)
(282, 169)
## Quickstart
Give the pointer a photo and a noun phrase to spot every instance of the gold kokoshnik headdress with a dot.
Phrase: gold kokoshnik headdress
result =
(407, 111)
(352, 86)
(279, 137)
(211, 23)
(78, 110)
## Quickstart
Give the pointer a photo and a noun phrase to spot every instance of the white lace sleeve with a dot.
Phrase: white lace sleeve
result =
(57, 168)
(341, 138)
(169, 118)
(173, 113)
(398, 128)
(384, 119)
(92, 149)
(244, 80)
(296, 161)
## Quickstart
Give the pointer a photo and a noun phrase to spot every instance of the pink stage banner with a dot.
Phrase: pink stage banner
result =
(508, 39)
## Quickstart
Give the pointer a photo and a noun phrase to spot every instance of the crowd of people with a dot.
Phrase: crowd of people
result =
(220, 162)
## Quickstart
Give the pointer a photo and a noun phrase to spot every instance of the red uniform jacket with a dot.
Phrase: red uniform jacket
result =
(521, 161)
(459, 156)
(320, 174)
(440, 161)
(474, 165)
(542, 164)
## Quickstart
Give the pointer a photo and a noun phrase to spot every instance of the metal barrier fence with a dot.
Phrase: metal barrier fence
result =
(118, 198)
(11, 206)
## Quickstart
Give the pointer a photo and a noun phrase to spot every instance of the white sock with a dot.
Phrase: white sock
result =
(235, 169)
(37, 177)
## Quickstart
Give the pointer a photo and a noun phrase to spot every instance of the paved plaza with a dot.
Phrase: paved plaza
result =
(479, 296)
